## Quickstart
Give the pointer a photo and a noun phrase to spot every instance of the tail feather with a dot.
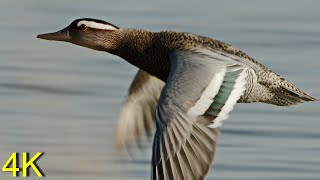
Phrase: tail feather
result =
(301, 95)
(284, 92)
(287, 94)
(296, 92)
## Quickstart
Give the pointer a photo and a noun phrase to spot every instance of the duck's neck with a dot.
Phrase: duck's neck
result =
(144, 50)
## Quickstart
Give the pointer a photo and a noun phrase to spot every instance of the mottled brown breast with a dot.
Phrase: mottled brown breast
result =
(144, 50)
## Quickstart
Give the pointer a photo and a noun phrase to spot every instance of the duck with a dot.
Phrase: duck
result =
(185, 88)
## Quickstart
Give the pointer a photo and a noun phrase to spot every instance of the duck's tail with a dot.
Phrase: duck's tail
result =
(286, 97)
(286, 94)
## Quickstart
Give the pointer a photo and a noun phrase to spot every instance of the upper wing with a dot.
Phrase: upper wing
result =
(202, 88)
(136, 118)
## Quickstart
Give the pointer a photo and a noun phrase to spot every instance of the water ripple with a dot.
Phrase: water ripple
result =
(42, 89)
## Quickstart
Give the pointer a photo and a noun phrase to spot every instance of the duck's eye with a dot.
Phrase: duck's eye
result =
(82, 26)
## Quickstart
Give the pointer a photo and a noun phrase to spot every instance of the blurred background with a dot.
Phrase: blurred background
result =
(63, 100)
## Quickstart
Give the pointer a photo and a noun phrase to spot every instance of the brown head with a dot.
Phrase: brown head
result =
(90, 33)
(139, 47)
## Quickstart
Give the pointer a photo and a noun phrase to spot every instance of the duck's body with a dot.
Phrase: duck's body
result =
(204, 78)
(150, 52)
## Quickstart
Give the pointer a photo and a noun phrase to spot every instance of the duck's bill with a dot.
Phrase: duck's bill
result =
(62, 35)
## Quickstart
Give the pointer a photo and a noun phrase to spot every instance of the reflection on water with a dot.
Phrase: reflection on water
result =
(63, 100)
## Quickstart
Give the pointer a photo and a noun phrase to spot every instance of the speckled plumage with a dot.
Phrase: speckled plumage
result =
(149, 51)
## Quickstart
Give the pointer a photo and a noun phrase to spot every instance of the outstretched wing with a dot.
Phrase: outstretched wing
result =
(202, 88)
(136, 118)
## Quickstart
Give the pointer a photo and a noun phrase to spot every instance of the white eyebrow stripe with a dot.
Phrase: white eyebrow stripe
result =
(96, 25)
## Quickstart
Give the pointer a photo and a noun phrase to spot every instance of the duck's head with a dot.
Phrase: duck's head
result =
(90, 33)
